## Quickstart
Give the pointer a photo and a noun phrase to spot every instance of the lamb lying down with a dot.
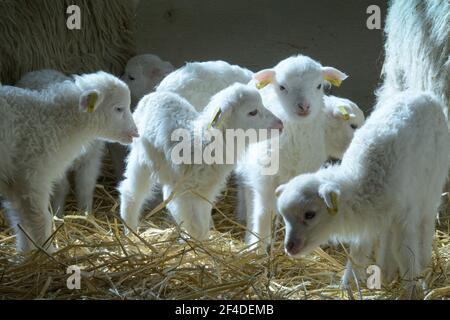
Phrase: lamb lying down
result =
(196, 186)
(387, 187)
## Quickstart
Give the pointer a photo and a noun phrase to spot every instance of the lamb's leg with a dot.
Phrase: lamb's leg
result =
(428, 226)
(385, 258)
(249, 208)
(86, 175)
(30, 210)
(58, 200)
(155, 198)
(192, 214)
(261, 219)
(241, 208)
(245, 199)
(405, 247)
(360, 254)
(133, 192)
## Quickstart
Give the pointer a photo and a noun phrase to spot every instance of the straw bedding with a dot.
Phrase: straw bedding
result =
(156, 264)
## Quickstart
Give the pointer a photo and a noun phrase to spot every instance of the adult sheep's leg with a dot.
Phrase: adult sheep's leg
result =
(133, 192)
(360, 258)
(86, 175)
(58, 200)
(30, 210)
(262, 215)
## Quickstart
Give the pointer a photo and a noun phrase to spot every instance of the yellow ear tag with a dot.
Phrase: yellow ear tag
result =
(91, 103)
(344, 113)
(263, 84)
(333, 211)
(333, 81)
(215, 122)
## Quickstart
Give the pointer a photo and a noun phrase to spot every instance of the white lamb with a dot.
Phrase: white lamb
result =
(142, 74)
(42, 132)
(387, 187)
(342, 118)
(294, 93)
(197, 82)
(41, 79)
(196, 186)
(86, 167)
(418, 48)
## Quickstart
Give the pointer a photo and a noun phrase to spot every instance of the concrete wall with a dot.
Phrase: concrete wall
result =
(259, 33)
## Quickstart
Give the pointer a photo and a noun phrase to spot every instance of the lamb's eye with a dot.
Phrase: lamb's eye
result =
(253, 113)
(354, 126)
(131, 78)
(319, 86)
(119, 109)
(282, 88)
(310, 215)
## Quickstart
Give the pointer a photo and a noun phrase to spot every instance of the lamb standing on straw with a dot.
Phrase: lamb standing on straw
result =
(88, 164)
(142, 74)
(42, 132)
(294, 93)
(196, 186)
(387, 187)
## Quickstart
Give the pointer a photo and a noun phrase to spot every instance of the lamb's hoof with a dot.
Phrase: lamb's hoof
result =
(258, 247)
(358, 277)
(60, 214)
(186, 237)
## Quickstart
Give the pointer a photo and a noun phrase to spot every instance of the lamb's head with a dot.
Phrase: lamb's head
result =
(106, 99)
(298, 85)
(242, 108)
(308, 206)
(343, 118)
(143, 73)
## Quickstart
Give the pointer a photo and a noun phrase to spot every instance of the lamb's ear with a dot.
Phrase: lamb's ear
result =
(280, 190)
(168, 67)
(90, 100)
(159, 71)
(217, 119)
(343, 113)
(330, 195)
(264, 77)
(333, 76)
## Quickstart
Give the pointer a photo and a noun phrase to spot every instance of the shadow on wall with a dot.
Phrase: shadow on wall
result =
(259, 33)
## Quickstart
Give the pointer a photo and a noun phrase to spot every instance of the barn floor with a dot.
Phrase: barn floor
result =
(157, 265)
